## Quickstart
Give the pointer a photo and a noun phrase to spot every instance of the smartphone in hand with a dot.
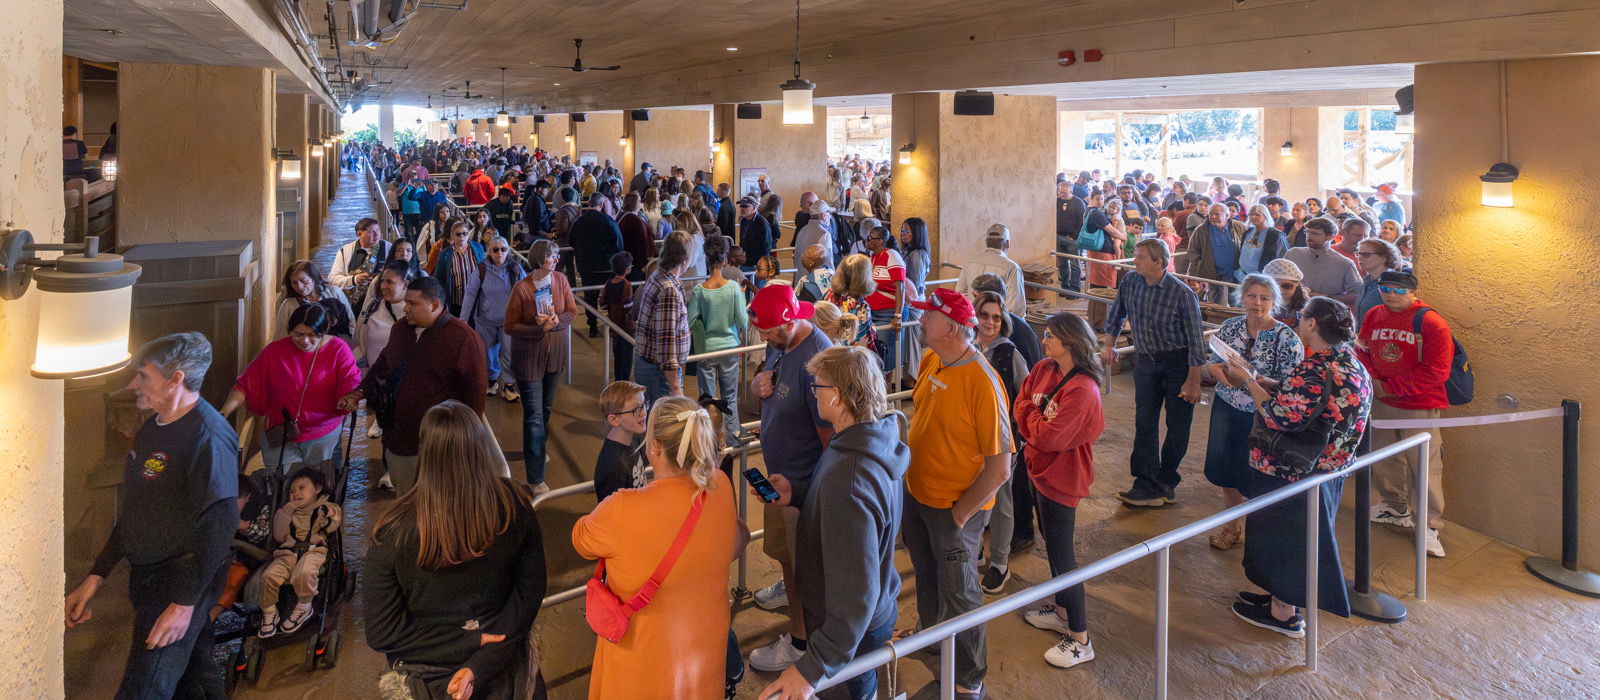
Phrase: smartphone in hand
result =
(759, 482)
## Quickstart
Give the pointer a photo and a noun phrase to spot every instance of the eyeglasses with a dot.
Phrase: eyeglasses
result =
(636, 410)
(1393, 290)
(1365, 254)
(1287, 286)
(1049, 336)
(815, 387)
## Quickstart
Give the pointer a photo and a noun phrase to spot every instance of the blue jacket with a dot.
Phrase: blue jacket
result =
(426, 202)
(444, 270)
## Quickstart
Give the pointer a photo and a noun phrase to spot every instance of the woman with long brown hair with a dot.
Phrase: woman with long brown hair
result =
(455, 574)
(686, 621)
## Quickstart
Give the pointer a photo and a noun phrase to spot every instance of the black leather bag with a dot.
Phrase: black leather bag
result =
(1296, 450)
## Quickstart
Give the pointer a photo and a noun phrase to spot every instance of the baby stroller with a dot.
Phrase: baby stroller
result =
(320, 635)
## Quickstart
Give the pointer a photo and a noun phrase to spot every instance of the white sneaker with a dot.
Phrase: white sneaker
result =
(373, 431)
(297, 617)
(269, 623)
(773, 597)
(1068, 652)
(776, 656)
(509, 393)
(1392, 515)
(540, 489)
(1434, 548)
(384, 482)
(1045, 618)
(492, 390)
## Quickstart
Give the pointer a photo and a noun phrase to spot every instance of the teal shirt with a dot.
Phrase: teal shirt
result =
(716, 317)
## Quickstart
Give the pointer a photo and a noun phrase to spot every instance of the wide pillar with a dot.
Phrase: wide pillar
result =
(669, 137)
(1317, 156)
(386, 124)
(522, 131)
(1531, 328)
(965, 172)
(598, 136)
(292, 135)
(793, 157)
(31, 529)
(317, 166)
(195, 147)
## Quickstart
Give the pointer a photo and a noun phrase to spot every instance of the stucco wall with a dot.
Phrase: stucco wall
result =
(671, 137)
(915, 186)
(1517, 285)
(552, 135)
(196, 162)
(522, 131)
(30, 438)
(795, 157)
(599, 134)
(291, 135)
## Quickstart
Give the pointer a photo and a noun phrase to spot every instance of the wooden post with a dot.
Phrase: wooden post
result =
(72, 92)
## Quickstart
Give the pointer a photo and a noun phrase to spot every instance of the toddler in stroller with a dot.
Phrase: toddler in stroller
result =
(301, 528)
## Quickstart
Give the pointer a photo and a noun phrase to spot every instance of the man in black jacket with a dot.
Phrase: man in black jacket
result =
(755, 234)
(726, 213)
(176, 513)
(500, 211)
(595, 238)
(535, 212)
(1070, 211)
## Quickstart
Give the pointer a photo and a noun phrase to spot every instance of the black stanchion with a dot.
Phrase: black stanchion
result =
(1566, 574)
(1365, 602)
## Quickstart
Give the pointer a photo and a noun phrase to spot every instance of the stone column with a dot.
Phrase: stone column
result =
(522, 130)
(670, 137)
(599, 134)
(386, 124)
(31, 464)
(195, 147)
(292, 136)
(1314, 163)
(316, 174)
(794, 157)
(1516, 285)
(969, 172)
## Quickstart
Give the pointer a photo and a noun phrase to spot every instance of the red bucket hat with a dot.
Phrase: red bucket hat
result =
(775, 305)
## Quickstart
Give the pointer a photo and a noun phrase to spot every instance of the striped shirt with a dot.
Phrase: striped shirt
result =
(661, 328)
(1165, 316)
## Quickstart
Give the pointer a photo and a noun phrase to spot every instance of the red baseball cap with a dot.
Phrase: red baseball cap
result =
(951, 303)
(775, 305)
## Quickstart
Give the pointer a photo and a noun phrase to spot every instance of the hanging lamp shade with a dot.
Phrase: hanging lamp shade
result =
(797, 101)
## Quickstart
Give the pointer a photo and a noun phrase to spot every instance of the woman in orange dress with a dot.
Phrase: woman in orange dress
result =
(676, 646)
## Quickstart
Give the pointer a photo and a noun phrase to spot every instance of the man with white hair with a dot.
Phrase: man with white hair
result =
(818, 230)
(993, 260)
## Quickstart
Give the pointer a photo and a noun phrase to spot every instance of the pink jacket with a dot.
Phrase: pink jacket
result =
(273, 383)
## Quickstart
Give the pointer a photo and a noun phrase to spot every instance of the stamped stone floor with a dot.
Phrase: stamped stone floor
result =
(1488, 629)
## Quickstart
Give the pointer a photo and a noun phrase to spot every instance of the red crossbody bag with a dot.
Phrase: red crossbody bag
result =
(607, 614)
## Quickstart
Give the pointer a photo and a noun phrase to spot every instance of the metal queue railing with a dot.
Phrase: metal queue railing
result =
(1123, 265)
(944, 633)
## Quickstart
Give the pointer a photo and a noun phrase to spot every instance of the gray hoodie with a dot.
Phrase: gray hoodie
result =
(844, 549)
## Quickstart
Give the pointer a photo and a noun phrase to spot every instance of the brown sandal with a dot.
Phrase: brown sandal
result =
(1226, 537)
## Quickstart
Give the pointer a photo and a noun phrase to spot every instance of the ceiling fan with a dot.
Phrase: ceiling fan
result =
(577, 64)
(466, 94)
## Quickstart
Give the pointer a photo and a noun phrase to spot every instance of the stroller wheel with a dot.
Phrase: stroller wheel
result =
(254, 662)
(329, 651)
(313, 652)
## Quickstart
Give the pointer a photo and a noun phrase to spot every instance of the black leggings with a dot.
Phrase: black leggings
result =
(1056, 523)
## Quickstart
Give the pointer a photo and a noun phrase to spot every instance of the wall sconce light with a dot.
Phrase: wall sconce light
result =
(1287, 149)
(288, 165)
(1497, 185)
(905, 153)
(86, 298)
(716, 146)
(622, 140)
(569, 138)
(108, 169)
(316, 149)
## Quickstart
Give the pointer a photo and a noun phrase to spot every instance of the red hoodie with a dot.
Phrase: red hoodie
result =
(1413, 377)
(479, 189)
(1060, 451)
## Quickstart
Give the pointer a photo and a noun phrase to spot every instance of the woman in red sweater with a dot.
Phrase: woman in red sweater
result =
(1058, 413)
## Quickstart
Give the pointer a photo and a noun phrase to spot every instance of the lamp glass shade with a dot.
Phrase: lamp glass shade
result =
(1497, 194)
(108, 170)
(82, 333)
(797, 104)
(289, 169)
(502, 120)
(716, 146)
(1287, 149)
(622, 141)
(316, 150)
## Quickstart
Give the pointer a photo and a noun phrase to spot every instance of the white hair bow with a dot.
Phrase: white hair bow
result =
(688, 431)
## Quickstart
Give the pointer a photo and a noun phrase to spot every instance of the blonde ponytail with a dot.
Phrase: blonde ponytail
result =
(684, 429)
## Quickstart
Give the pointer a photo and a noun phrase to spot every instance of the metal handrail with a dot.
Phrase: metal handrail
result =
(1160, 545)
(1113, 263)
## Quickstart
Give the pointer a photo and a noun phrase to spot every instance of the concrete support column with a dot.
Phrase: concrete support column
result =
(195, 147)
(31, 464)
(317, 167)
(1315, 162)
(386, 124)
(1462, 251)
(965, 171)
(599, 135)
(555, 135)
(670, 137)
(335, 169)
(292, 135)
(792, 157)
(1070, 153)
(480, 131)
(522, 130)
(72, 92)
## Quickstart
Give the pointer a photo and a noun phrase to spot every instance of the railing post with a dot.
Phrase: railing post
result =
(1566, 574)
(744, 517)
(947, 668)
(569, 353)
(606, 359)
(1313, 539)
(1419, 517)
(1364, 602)
(1163, 619)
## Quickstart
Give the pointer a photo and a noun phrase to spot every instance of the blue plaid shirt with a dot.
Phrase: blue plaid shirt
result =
(1165, 316)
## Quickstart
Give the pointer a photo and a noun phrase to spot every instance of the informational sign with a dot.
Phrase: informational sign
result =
(748, 178)
(588, 157)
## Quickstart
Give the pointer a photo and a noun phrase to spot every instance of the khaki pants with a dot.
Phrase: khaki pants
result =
(302, 573)
(780, 523)
(1395, 478)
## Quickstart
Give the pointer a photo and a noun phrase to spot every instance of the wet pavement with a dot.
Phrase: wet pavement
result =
(1488, 628)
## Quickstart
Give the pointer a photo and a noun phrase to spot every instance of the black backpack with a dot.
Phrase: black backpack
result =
(1458, 388)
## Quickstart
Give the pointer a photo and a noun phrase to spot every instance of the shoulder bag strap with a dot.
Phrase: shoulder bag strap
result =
(305, 387)
(1416, 327)
(647, 592)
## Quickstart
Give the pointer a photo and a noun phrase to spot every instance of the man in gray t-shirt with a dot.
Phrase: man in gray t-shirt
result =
(792, 438)
(1327, 273)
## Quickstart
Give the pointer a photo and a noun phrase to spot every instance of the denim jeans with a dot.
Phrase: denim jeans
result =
(497, 345)
(652, 377)
(538, 397)
(720, 378)
(1001, 526)
(888, 339)
(1069, 272)
(1057, 523)
(864, 686)
(184, 665)
(621, 358)
(945, 559)
(1156, 381)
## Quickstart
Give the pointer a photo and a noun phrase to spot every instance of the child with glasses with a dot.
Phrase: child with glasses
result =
(621, 463)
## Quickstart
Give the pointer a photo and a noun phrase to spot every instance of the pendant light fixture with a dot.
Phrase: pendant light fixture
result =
(797, 92)
(502, 118)
(1497, 182)
(866, 120)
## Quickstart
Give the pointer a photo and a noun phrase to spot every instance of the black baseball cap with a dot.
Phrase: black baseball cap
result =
(1398, 278)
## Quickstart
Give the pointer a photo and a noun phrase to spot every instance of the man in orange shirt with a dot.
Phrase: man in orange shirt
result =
(960, 439)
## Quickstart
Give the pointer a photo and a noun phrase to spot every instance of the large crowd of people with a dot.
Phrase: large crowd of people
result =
(471, 295)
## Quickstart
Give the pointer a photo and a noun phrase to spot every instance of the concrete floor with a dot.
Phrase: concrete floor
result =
(1488, 628)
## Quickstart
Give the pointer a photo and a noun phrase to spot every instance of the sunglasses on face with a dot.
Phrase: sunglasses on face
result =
(1393, 290)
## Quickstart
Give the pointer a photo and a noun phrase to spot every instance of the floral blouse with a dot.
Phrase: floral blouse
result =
(1273, 353)
(1296, 401)
(857, 307)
